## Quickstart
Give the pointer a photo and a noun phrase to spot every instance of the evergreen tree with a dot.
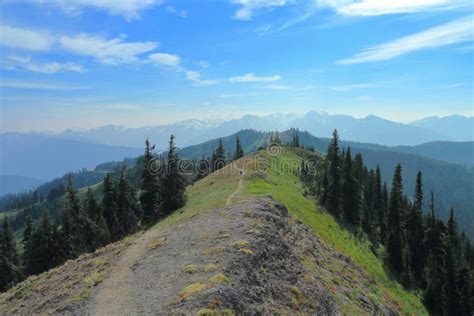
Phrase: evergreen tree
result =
(395, 215)
(91, 206)
(80, 233)
(218, 158)
(452, 267)
(109, 205)
(41, 253)
(378, 204)
(239, 151)
(350, 191)
(334, 188)
(466, 295)
(10, 273)
(434, 274)
(149, 198)
(127, 208)
(173, 193)
(27, 235)
(414, 233)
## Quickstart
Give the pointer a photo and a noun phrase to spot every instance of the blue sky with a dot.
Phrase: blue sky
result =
(84, 63)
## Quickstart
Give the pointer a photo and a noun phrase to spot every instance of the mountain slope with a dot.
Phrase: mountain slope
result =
(208, 257)
(456, 152)
(455, 126)
(16, 184)
(46, 157)
(452, 184)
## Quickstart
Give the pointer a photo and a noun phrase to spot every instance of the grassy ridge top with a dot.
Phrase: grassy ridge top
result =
(276, 176)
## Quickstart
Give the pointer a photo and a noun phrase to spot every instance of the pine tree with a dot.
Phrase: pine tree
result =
(395, 233)
(414, 232)
(434, 274)
(218, 158)
(173, 193)
(27, 234)
(466, 295)
(453, 256)
(378, 205)
(109, 206)
(239, 151)
(127, 208)
(80, 233)
(334, 194)
(351, 202)
(91, 206)
(40, 253)
(10, 273)
(149, 198)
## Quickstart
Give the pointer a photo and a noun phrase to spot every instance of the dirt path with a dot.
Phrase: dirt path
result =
(239, 187)
(113, 297)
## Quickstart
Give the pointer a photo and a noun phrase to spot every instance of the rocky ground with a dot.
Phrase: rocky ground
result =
(248, 258)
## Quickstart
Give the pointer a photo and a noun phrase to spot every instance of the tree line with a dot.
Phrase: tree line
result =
(423, 252)
(88, 223)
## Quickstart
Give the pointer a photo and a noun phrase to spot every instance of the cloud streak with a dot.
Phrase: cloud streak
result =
(458, 31)
(36, 85)
(381, 7)
(114, 51)
(250, 7)
(22, 38)
(250, 77)
(128, 9)
(19, 62)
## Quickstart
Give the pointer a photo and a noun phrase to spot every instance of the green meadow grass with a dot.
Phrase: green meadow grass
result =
(282, 183)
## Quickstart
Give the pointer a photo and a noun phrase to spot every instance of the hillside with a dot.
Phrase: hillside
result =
(249, 242)
(452, 184)
(16, 184)
(455, 152)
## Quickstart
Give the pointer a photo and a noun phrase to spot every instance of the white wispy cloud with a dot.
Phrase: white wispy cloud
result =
(164, 59)
(128, 9)
(172, 10)
(249, 7)
(20, 62)
(108, 51)
(380, 7)
(250, 77)
(197, 80)
(458, 31)
(37, 85)
(22, 38)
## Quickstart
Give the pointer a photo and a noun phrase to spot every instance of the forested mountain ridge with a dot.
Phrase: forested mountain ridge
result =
(317, 267)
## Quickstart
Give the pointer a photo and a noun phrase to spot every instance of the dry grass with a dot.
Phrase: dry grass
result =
(157, 242)
(219, 278)
(191, 268)
(214, 250)
(192, 289)
(247, 251)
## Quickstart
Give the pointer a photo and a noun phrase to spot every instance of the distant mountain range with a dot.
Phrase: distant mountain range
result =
(370, 129)
(15, 184)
